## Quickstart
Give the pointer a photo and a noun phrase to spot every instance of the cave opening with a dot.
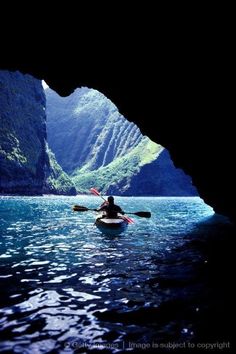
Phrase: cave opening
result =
(195, 125)
(96, 145)
(165, 278)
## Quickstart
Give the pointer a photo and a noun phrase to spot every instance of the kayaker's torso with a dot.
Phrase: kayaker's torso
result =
(111, 210)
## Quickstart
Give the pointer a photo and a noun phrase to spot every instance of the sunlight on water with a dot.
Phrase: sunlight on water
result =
(63, 280)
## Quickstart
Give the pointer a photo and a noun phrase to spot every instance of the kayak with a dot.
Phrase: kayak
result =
(111, 226)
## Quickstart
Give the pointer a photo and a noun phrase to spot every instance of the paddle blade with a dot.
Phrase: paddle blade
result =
(79, 208)
(143, 214)
(94, 191)
(129, 220)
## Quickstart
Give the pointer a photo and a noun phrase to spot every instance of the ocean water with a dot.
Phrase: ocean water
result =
(66, 287)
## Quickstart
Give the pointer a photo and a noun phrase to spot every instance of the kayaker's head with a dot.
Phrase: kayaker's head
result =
(110, 200)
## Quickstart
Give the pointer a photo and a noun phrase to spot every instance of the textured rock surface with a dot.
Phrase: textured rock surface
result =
(159, 177)
(87, 129)
(25, 165)
(22, 134)
(56, 180)
(98, 146)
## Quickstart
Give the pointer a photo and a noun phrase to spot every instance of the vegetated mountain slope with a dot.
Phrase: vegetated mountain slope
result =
(85, 130)
(24, 160)
(98, 147)
(56, 180)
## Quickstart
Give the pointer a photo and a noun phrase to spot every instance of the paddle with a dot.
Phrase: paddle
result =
(95, 191)
(81, 208)
(142, 214)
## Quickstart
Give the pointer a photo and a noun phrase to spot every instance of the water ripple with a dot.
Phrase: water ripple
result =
(63, 280)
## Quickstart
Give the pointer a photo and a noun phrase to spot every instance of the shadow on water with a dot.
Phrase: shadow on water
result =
(194, 287)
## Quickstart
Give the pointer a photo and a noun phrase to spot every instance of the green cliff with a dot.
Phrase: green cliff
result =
(24, 160)
(98, 147)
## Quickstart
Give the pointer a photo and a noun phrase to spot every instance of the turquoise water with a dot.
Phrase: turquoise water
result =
(67, 286)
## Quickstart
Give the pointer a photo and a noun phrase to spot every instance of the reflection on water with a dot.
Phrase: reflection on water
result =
(66, 286)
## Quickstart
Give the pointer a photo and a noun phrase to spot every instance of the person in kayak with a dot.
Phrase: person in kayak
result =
(111, 208)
